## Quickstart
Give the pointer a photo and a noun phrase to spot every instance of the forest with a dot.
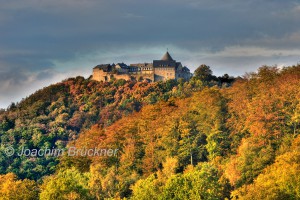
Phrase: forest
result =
(207, 138)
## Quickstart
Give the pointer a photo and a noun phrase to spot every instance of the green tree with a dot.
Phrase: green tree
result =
(203, 73)
(68, 184)
(146, 189)
(199, 183)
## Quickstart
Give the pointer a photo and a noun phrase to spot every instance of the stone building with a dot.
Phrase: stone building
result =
(160, 70)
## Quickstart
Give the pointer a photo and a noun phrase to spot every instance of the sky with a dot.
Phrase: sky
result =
(46, 41)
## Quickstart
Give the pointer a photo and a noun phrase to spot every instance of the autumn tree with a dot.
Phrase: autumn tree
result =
(279, 181)
(12, 188)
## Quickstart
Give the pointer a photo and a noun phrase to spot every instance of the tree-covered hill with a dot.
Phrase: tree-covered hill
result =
(215, 144)
(56, 114)
(175, 139)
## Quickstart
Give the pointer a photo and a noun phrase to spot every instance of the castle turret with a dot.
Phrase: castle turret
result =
(167, 57)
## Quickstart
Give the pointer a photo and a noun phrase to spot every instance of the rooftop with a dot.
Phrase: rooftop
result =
(167, 57)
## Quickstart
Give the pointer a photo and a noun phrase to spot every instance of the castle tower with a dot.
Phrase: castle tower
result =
(165, 68)
(167, 57)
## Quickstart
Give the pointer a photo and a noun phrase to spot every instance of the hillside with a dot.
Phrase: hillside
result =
(175, 140)
(56, 114)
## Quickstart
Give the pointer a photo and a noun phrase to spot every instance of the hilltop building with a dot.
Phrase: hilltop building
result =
(160, 70)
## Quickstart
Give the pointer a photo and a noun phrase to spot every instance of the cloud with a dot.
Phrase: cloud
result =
(44, 41)
(17, 84)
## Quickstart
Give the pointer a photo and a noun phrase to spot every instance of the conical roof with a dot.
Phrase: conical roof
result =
(167, 57)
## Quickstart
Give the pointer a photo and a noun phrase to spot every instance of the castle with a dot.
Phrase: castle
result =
(160, 70)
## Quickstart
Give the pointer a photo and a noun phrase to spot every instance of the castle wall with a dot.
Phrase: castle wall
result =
(100, 75)
(164, 73)
(122, 76)
(147, 76)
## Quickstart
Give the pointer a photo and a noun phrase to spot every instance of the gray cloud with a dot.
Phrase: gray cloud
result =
(45, 41)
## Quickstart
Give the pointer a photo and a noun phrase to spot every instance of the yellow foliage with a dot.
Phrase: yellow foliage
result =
(11, 188)
(279, 181)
